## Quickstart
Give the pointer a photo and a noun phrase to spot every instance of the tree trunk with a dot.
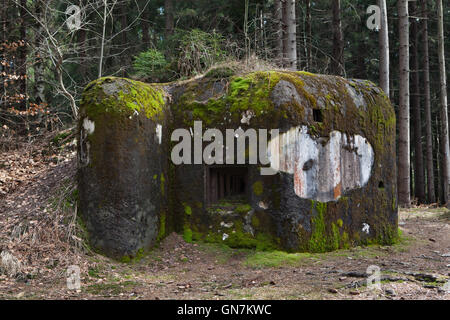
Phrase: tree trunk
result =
(102, 45)
(284, 25)
(308, 36)
(168, 12)
(444, 140)
(22, 53)
(145, 28)
(437, 157)
(262, 32)
(428, 119)
(337, 63)
(123, 26)
(419, 180)
(279, 31)
(39, 77)
(384, 48)
(246, 38)
(291, 49)
(359, 60)
(404, 196)
(82, 52)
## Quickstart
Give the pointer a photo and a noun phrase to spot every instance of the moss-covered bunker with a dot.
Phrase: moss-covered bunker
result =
(336, 148)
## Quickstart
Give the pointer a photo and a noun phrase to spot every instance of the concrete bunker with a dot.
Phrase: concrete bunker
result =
(335, 184)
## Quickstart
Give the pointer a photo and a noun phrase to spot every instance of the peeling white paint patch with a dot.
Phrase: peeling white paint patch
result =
(159, 133)
(84, 153)
(366, 228)
(226, 225)
(246, 116)
(225, 237)
(323, 170)
(262, 205)
(89, 126)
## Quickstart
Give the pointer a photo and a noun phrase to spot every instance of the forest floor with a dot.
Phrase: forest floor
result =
(38, 229)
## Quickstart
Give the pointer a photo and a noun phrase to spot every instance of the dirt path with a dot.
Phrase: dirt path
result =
(48, 241)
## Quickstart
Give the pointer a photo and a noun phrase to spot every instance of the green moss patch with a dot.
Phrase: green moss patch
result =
(187, 210)
(122, 96)
(326, 235)
(220, 73)
(187, 234)
(257, 188)
(275, 259)
(243, 208)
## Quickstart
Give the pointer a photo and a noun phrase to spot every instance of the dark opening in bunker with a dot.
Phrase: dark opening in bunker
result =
(226, 183)
(317, 115)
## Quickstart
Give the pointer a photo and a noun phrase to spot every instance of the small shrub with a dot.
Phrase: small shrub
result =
(198, 51)
(151, 65)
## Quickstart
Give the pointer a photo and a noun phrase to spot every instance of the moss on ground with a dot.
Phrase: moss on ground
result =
(275, 259)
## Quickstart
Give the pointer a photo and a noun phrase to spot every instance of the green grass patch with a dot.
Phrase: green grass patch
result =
(403, 242)
(94, 272)
(275, 259)
(222, 252)
(445, 215)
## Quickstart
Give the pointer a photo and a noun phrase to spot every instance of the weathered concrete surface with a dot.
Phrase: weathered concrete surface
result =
(121, 167)
(336, 186)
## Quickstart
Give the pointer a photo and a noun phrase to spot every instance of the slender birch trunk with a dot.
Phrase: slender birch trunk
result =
(279, 31)
(102, 48)
(291, 52)
(404, 194)
(444, 140)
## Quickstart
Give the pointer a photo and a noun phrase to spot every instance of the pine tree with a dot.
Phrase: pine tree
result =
(428, 120)
(419, 181)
